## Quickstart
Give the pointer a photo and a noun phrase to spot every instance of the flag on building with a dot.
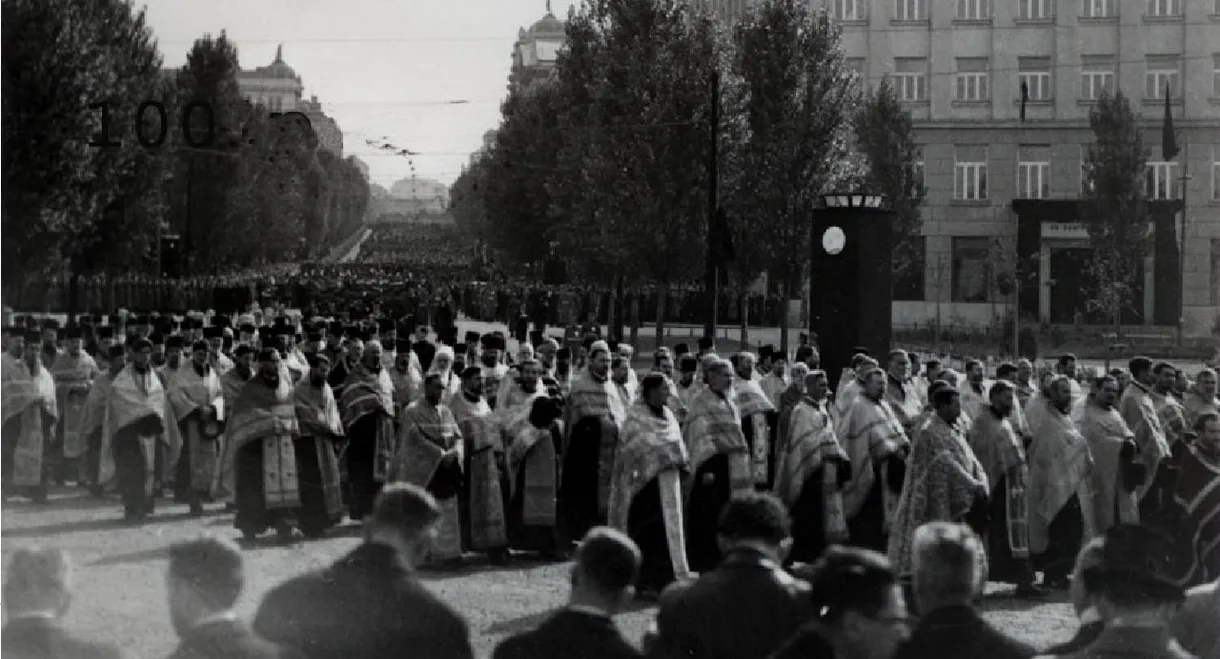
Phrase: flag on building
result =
(1169, 142)
(1024, 97)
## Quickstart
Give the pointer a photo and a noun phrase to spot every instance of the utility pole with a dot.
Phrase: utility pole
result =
(712, 271)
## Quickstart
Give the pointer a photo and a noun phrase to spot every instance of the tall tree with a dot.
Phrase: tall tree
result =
(791, 98)
(1115, 209)
(885, 137)
(209, 177)
(67, 188)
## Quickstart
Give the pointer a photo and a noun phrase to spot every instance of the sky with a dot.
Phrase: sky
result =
(383, 69)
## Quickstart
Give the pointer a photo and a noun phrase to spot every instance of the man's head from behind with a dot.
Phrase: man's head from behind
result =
(37, 581)
(606, 568)
(858, 602)
(404, 518)
(756, 521)
(205, 578)
(1133, 576)
(949, 562)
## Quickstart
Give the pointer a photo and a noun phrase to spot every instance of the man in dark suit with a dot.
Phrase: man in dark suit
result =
(947, 559)
(1136, 596)
(205, 580)
(36, 596)
(370, 603)
(606, 567)
(1084, 598)
(748, 605)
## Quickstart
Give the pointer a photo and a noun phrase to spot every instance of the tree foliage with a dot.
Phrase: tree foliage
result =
(885, 138)
(65, 198)
(1115, 210)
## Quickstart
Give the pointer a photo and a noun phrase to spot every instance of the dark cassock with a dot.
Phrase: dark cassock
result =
(1001, 451)
(876, 447)
(719, 464)
(367, 407)
(481, 506)
(197, 400)
(532, 440)
(944, 481)
(756, 410)
(138, 421)
(30, 413)
(262, 431)
(1060, 493)
(317, 466)
(809, 479)
(592, 416)
(430, 455)
(1197, 497)
(646, 488)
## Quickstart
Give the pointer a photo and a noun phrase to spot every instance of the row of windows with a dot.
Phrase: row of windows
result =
(970, 169)
(981, 10)
(971, 271)
(972, 77)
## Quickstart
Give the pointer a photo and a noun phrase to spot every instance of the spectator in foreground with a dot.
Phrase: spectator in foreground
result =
(37, 591)
(607, 564)
(747, 606)
(858, 609)
(949, 564)
(1135, 596)
(370, 603)
(1195, 625)
(1084, 598)
(204, 581)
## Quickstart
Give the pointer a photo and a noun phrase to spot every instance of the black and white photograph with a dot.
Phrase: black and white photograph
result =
(610, 329)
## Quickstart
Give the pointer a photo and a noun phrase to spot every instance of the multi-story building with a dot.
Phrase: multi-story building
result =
(1002, 193)
(536, 51)
(278, 88)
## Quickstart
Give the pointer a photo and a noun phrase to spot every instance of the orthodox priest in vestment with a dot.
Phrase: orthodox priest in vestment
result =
(851, 382)
(876, 448)
(430, 455)
(491, 359)
(197, 400)
(1139, 410)
(532, 440)
(262, 430)
(315, 449)
(1001, 452)
(901, 393)
(810, 474)
(687, 385)
(231, 384)
(73, 371)
(442, 365)
(789, 398)
(1197, 497)
(408, 382)
(1200, 398)
(755, 410)
(1060, 485)
(138, 419)
(368, 411)
(1116, 474)
(944, 480)
(592, 418)
(95, 416)
(30, 411)
(646, 488)
(484, 489)
(719, 462)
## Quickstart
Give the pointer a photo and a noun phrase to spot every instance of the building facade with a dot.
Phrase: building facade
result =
(959, 67)
(278, 88)
(536, 51)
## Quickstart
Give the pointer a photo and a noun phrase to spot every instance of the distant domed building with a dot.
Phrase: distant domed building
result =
(278, 88)
(537, 49)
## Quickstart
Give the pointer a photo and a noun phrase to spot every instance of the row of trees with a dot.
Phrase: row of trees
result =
(238, 186)
(610, 159)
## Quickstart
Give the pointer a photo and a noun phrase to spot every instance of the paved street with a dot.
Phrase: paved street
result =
(120, 592)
